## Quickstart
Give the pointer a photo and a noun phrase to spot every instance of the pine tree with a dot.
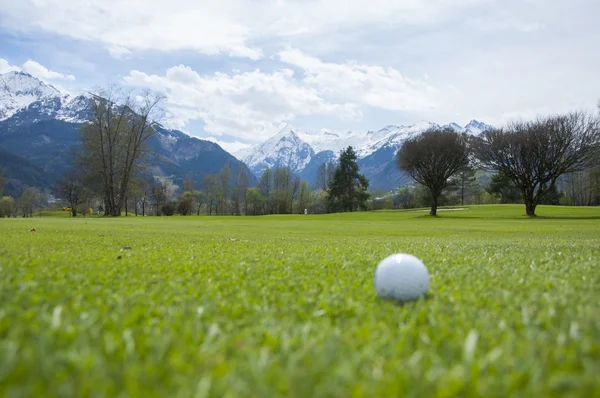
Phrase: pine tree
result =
(347, 189)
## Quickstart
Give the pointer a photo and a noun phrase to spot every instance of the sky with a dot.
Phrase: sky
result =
(237, 71)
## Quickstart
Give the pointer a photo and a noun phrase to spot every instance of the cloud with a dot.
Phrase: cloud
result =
(6, 67)
(119, 52)
(371, 85)
(204, 26)
(532, 27)
(253, 105)
(230, 147)
(41, 72)
(249, 105)
(230, 27)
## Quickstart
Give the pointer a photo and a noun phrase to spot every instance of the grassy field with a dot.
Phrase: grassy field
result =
(285, 306)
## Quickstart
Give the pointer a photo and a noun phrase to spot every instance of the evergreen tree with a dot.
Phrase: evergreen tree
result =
(502, 185)
(348, 189)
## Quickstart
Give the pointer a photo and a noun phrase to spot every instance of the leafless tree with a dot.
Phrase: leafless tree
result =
(209, 188)
(160, 194)
(534, 154)
(432, 157)
(114, 141)
(71, 189)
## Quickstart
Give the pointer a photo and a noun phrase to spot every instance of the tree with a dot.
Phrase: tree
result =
(534, 154)
(186, 203)
(7, 206)
(432, 157)
(582, 188)
(405, 198)
(303, 197)
(265, 185)
(254, 201)
(464, 182)
(284, 187)
(160, 193)
(222, 191)
(114, 143)
(189, 185)
(28, 201)
(348, 189)
(71, 190)
(238, 195)
(143, 194)
(503, 186)
(209, 188)
(325, 175)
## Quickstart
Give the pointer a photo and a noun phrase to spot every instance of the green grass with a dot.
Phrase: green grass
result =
(285, 306)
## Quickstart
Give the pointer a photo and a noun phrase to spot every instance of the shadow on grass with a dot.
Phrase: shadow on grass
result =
(401, 304)
(499, 217)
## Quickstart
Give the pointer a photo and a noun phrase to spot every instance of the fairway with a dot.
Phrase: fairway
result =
(285, 305)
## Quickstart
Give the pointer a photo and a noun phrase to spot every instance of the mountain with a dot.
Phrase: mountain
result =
(285, 148)
(375, 151)
(41, 125)
(20, 173)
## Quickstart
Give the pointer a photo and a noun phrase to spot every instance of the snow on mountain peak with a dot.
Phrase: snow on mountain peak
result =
(476, 127)
(18, 90)
(285, 148)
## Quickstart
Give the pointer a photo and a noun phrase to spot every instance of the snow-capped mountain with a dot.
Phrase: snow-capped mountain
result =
(34, 100)
(39, 126)
(285, 148)
(374, 149)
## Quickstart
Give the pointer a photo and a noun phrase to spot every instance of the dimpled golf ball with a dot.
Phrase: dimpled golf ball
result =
(401, 277)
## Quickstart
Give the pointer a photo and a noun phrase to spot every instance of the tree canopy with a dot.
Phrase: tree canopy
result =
(348, 188)
(432, 157)
(534, 154)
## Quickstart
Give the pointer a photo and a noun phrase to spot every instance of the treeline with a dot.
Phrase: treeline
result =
(339, 187)
(535, 161)
(550, 160)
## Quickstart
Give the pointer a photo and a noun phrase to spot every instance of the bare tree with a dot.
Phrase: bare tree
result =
(265, 186)
(432, 157)
(209, 187)
(114, 142)
(222, 192)
(534, 154)
(28, 200)
(71, 189)
(160, 194)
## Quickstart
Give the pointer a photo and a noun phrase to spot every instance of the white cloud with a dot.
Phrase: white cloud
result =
(119, 52)
(41, 72)
(376, 86)
(230, 147)
(228, 27)
(532, 27)
(248, 105)
(253, 105)
(6, 67)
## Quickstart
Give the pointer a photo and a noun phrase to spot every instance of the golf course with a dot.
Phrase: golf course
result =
(284, 305)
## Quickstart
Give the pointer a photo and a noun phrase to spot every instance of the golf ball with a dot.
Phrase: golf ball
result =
(401, 277)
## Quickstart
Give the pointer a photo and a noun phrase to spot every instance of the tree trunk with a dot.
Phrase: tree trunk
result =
(434, 205)
(74, 211)
(530, 208)
(530, 202)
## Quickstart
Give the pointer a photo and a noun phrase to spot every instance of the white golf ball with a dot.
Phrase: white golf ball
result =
(401, 277)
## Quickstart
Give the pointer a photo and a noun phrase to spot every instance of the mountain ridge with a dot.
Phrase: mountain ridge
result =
(375, 150)
(42, 127)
